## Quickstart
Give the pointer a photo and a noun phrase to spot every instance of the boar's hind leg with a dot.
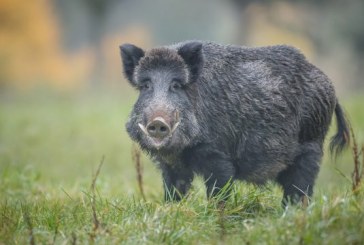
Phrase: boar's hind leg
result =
(298, 179)
(177, 182)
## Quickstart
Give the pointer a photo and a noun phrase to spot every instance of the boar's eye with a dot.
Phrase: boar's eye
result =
(145, 84)
(176, 84)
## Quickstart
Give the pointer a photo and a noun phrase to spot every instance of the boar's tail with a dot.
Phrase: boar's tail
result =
(342, 137)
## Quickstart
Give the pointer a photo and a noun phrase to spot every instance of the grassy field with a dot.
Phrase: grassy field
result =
(52, 143)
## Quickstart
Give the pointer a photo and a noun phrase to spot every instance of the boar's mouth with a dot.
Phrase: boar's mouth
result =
(158, 130)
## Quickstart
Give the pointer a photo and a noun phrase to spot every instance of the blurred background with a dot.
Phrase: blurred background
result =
(70, 45)
(64, 101)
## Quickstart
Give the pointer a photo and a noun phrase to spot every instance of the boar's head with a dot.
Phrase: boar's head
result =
(164, 116)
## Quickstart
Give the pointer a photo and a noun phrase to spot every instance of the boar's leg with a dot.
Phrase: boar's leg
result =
(218, 180)
(177, 181)
(299, 178)
(216, 168)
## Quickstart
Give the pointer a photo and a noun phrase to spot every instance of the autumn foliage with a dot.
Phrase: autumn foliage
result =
(30, 46)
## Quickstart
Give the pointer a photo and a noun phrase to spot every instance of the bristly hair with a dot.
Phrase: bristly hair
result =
(161, 58)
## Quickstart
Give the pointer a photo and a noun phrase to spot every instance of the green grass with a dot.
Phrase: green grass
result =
(51, 145)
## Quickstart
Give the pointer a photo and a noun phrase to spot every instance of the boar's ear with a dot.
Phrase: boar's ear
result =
(130, 56)
(193, 57)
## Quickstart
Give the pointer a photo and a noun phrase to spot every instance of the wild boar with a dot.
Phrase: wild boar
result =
(232, 113)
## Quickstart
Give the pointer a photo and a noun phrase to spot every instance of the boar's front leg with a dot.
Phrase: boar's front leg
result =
(216, 168)
(218, 175)
(177, 181)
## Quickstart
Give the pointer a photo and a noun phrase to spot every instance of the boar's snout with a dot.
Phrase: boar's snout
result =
(158, 128)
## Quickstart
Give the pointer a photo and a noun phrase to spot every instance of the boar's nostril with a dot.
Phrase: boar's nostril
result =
(158, 128)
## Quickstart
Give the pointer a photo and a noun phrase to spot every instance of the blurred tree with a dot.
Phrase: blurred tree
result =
(84, 23)
(98, 11)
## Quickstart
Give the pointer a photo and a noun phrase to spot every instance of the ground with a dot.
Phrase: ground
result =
(51, 144)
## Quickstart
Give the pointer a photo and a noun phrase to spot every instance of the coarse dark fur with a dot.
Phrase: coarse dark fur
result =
(253, 114)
